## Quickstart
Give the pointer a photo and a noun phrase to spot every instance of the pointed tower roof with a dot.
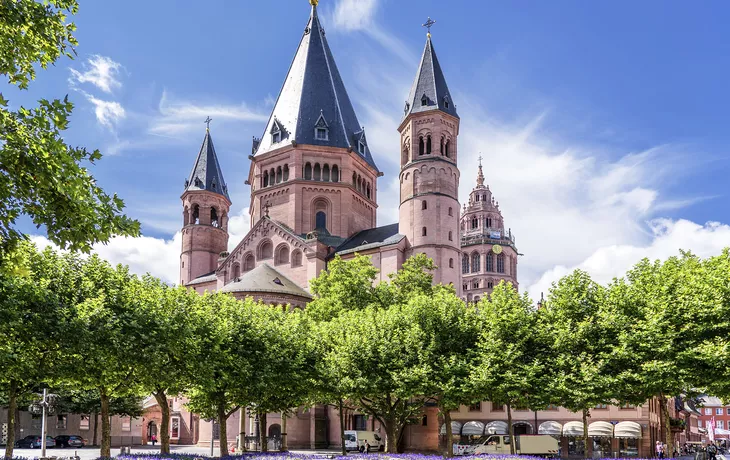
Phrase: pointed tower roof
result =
(429, 90)
(313, 96)
(480, 174)
(207, 174)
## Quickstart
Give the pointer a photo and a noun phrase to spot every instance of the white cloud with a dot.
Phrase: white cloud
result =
(668, 237)
(108, 113)
(179, 116)
(100, 71)
(238, 226)
(157, 256)
(354, 14)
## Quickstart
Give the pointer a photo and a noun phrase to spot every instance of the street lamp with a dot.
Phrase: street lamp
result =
(46, 406)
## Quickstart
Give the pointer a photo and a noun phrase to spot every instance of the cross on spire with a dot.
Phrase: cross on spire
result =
(207, 123)
(429, 22)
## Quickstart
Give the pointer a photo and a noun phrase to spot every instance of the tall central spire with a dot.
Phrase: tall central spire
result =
(480, 174)
(313, 107)
(429, 90)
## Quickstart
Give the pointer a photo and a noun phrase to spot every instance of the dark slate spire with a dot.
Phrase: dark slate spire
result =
(429, 90)
(207, 173)
(313, 96)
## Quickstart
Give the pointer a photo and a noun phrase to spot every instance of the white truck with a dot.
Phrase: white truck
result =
(527, 444)
(355, 440)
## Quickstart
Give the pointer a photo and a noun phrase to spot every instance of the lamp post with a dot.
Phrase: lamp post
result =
(45, 406)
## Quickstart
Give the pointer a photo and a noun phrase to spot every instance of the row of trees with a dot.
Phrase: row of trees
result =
(385, 349)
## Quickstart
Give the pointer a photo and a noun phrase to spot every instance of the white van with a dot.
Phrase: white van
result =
(356, 439)
(530, 444)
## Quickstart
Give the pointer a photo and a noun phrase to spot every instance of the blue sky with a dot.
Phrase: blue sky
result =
(603, 125)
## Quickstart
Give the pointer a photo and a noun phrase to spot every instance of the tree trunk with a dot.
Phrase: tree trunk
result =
(223, 437)
(391, 435)
(342, 427)
(284, 443)
(95, 441)
(449, 434)
(586, 453)
(12, 406)
(106, 440)
(510, 430)
(669, 449)
(161, 399)
(263, 439)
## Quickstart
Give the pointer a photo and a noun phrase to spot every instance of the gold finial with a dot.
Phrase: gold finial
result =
(313, 2)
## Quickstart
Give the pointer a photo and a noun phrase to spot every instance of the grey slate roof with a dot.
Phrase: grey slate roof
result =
(370, 238)
(264, 279)
(430, 81)
(312, 89)
(203, 279)
(207, 173)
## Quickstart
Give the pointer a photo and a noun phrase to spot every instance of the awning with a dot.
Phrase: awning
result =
(455, 428)
(472, 428)
(553, 428)
(496, 427)
(573, 429)
(600, 429)
(627, 430)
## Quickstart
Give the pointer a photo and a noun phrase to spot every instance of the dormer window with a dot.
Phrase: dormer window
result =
(277, 132)
(424, 100)
(321, 128)
(407, 107)
(446, 102)
(321, 134)
(276, 137)
(361, 147)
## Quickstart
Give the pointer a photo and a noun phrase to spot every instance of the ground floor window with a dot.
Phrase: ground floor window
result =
(576, 447)
(602, 447)
(628, 447)
(360, 422)
(175, 427)
(84, 422)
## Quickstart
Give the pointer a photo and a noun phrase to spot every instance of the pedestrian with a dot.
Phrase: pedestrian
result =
(711, 452)
(659, 449)
(153, 439)
(367, 446)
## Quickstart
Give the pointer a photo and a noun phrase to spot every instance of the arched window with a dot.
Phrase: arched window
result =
(465, 264)
(428, 144)
(421, 146)
(446, 148)
(490, 262)
(213, 217)
(326, 173)
(490, 284)
(474, 222)
(272, 176)
(279, 174)
(308, 171)
(320, 220)
(186, 216)
(359, 183)
(451, 263)
(475, 262)
(451, 212)
(266, 250)
(296, 258)
(286, 173)
(335, 173)
(236, 271)
(500, 263)
(266, 178)
(451, 236)
(423, 231)
(196, 214)
(368, 191)
(354, 180)
(248, 262)
(282, 255)
(424, 204)
(441, 147)
(317, 172)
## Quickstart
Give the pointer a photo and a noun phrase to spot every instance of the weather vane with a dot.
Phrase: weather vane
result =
(207, 123)
(429, 22)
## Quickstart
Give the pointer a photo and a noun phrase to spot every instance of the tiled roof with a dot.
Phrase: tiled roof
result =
(313, 92)
(265, 278)
(370, 238)
(208, 277)
(207, 173)
(431, 83)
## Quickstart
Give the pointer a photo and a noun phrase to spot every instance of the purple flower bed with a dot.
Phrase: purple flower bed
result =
(313, 456)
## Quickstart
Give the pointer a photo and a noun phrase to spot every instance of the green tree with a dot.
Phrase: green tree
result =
(581, 346)
(40, 175)
(346, 285)
(177, 329)
(107, 332)
(34, 311)
(510, 364)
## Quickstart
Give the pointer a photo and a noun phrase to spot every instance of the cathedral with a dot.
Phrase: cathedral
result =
(314, 196)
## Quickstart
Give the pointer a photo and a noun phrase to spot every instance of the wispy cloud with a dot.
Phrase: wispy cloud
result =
(108, 113)
(176, 116)
(100, 71)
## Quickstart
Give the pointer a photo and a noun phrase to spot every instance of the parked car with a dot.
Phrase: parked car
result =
(66, 440)
(33, 441)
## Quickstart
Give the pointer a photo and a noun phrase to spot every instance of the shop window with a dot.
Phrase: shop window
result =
(61, 422)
